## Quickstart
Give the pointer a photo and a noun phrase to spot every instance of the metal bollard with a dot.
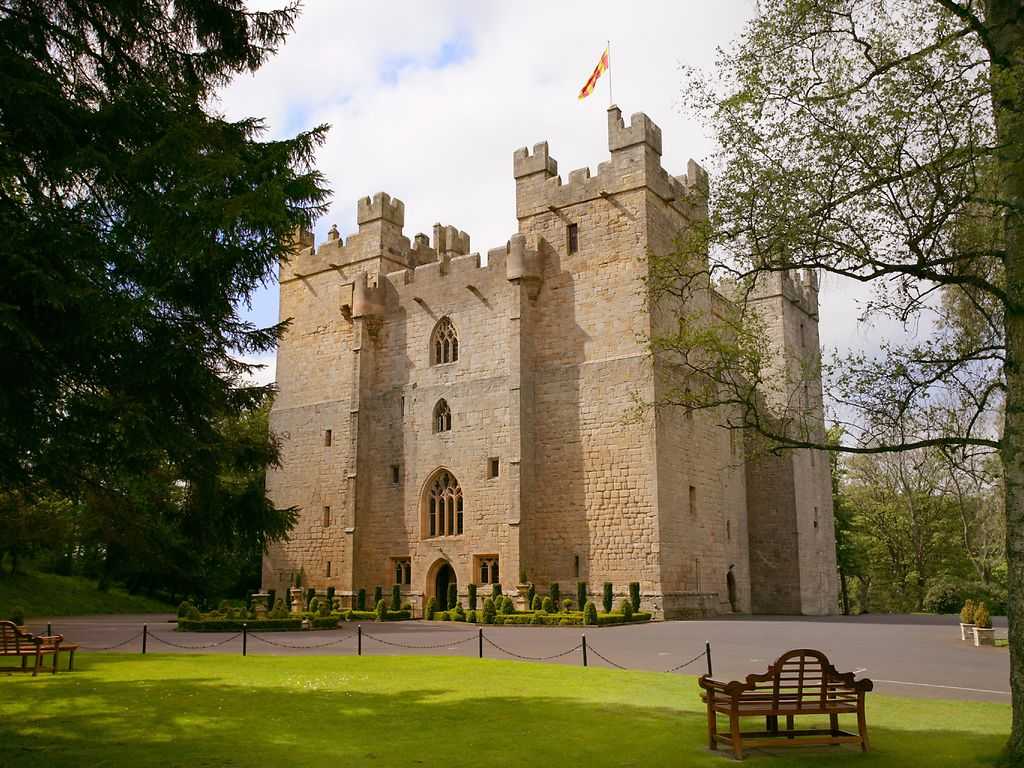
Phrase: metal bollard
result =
(480, 641)
(584, 650)
(245, 637)
(359, 640)
(145, 636)
(49, 630)
(707, 655)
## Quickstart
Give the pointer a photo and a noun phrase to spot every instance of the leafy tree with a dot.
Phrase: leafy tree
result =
(135, 220)
(881, 142)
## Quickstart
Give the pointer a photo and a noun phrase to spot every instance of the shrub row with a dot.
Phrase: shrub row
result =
(572, 618)
(254, 625)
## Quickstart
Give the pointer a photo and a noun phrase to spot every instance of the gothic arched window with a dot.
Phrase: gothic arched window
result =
(444, 342)
(442, 416)
(444, 505)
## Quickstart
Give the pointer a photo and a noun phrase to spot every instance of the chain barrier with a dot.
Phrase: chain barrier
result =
(195, 647)
(698, 657)
(109, 647)
(347, 637)
(604, 658)
(422, 647)
(532, 658)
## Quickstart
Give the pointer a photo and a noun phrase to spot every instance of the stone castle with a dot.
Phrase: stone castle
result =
(445, 420)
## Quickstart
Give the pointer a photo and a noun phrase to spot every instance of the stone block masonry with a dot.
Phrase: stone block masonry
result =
(445, 420)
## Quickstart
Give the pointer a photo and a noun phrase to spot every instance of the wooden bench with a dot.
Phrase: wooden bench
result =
(800, 682)
(15, 642)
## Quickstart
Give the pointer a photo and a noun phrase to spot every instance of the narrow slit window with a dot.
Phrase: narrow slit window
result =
(395, 474)
(327, 517)
(328, 438)
(492, 467)
(693, 500)
(573, 237)
(815, 517)
(328, 567)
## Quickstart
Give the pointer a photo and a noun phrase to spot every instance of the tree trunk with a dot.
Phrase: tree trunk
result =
(1005, 24)
(844, 593)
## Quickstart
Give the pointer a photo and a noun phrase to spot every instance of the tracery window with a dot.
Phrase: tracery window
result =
(403, 570)
(444, 342)
(489, 570)
(442, 416)
(444, 506)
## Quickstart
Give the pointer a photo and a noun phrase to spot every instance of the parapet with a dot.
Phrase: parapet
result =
(380, 206)
(525, 164)
(641, 130)
(451, 240)
(523, 263)
(797, 286)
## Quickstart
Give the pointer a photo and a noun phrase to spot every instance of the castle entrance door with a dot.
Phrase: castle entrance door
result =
(445, 576)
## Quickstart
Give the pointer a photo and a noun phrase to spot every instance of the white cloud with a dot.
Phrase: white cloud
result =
(428, 101)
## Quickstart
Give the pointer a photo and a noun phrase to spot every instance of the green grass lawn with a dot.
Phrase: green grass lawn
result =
(215, 710)
(47, 594)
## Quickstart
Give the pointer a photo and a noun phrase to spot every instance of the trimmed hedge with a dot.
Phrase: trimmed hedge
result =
(471, 596)
(255, 625)
(573, 618)
(372, 615)
(618, 618)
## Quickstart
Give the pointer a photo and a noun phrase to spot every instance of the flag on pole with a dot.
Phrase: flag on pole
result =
(599, 70)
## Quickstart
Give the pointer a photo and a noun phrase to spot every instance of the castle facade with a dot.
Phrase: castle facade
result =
(447, 420)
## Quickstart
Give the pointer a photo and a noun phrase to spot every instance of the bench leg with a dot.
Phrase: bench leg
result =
(712, 727)
(24, 661)
(862, 728)
(771, 723)
(55, 655)
(789, 725)
(39, 663)
(737, 739)
(71, 661)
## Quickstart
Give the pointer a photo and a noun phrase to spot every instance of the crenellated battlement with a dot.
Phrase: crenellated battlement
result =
(450, 240)
(524, 164)
(641, 130)
(380, 206)
(799, 287)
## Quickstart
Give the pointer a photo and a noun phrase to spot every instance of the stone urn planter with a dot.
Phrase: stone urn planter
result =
(966, 631)
(296, 593)
(984, 636)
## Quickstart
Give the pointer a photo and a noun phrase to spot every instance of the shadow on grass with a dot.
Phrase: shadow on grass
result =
(84, 719)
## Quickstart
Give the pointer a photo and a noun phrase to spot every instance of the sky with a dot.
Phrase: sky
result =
(428, 101)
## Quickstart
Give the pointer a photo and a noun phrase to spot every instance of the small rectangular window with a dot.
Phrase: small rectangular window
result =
(815, 517)
(327, 517)
(327, 438)
(395, 474)
(328, 567)
(576, 565)
(492, 467)
(693, 500)
(573, 237)
(402, 412)
(803, 338)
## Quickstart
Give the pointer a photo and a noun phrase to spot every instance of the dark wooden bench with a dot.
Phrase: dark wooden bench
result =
(15, 642)
(800, 682)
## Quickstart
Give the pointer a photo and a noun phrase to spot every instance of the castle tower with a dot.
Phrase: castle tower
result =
(789, 495)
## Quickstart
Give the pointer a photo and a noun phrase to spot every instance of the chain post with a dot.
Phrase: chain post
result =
(245, 637)
(359, 638)
(707, 655)
(49, 629)
(480, 641)
(145, 636)
(584, 646)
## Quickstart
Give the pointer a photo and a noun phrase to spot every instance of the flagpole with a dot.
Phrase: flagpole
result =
(610, 73)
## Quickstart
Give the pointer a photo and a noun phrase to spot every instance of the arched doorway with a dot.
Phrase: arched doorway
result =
(445, 576)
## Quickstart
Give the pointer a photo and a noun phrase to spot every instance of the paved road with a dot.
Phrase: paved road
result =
(905, 655)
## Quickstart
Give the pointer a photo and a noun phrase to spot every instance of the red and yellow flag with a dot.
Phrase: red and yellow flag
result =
(599, 70)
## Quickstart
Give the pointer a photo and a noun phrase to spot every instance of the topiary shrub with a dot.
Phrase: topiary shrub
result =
(489, 611)
(535, 603)
(445, 616)
(288, 599)
(606, 599)
(382, 610)
(981, 618)
(547, 605)
(531, 595)
(453, 595)
(325, 609)
(459, 613)
(378, 594)
(634, 595)
(495, 591)
(430, 609)
(471, 616)
(271, 599)
(361, 600)
(313, 605)
(330, 595)
(626, 609)
(407, 606)
(472, 596)
(17, 615)
(967, 612)
(310, 594)
(183, 608)
(590, 613)
(566, 605)
(507, 607)
(554, 593)
(396, 597)
(581, 594)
